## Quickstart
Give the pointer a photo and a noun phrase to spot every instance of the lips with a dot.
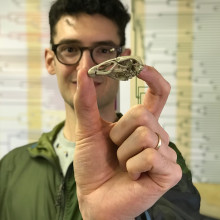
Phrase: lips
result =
(96, 82)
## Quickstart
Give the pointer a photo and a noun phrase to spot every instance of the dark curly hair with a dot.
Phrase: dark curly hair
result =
(112, 9)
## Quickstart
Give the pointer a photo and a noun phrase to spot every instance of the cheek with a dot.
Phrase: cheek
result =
(61, 79)
(65, 78)
(64, 73)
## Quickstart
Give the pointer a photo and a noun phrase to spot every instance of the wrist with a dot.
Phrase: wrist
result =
(97, 212)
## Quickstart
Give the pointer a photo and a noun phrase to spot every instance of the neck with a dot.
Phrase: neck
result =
(107, 113)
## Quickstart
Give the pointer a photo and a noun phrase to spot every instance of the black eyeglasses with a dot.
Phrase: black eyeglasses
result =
(70, 54)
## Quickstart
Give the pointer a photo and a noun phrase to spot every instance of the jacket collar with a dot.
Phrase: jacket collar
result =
(44, 146)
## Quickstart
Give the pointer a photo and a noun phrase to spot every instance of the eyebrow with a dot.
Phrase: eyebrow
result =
(73, 41)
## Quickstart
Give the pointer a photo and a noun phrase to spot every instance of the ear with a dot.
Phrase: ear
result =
(126, 52)
(49, 61)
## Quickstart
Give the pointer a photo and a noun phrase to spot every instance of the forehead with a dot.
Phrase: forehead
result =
(86, 29)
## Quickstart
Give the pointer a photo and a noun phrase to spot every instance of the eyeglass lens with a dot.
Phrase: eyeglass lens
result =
(71, 54)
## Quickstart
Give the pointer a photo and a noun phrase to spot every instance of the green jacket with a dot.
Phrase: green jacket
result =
(32, 187)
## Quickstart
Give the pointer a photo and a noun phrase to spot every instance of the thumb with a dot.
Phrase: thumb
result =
(85, 104)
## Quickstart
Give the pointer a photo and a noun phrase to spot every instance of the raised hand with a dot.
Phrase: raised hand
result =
(119, 173)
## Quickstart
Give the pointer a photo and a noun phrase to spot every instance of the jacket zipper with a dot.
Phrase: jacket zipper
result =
(61, 198)
(60, 201)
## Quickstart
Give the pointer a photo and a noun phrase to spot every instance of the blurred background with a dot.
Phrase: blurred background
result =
(180, 38)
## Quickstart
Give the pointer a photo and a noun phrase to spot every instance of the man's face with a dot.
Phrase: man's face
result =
(86, 31)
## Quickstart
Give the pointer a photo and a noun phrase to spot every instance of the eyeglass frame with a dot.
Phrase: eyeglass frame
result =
(119, 50)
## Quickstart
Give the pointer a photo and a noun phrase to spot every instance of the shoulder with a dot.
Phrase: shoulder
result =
(12, 165)
(16, 156)
(20, 155)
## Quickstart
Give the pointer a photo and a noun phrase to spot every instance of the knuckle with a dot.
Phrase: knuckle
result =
(167, 87)
(172, 154)
(166, 138)
(178, 175)
(142, 135)
(144, 138)
(149, 156)
(139, 114)
(175, 176)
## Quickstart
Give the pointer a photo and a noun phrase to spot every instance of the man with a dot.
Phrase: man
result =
(123, 166)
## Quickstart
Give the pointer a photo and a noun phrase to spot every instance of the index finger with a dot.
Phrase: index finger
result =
(158, 91)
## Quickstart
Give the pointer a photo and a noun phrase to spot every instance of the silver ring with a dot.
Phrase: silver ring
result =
(159, 143)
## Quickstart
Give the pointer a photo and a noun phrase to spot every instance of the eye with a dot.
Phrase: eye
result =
(70, 49)
(105, 49)
(67, 49)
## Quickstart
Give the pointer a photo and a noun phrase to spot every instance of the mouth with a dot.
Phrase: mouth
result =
(96, 83)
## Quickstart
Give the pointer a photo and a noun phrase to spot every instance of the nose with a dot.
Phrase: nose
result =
(86, 61)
